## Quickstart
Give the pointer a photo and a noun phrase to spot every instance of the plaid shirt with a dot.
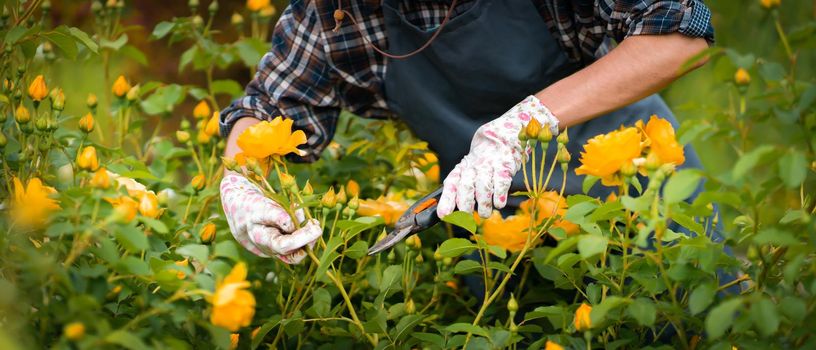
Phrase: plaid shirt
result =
(311, 73)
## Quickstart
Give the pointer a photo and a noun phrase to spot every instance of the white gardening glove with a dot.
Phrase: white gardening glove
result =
(262, 226)
(484, 175)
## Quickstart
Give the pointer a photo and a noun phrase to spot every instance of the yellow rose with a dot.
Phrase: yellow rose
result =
(509, 233)
(233, 305)
(274, 138)
(120, 87)
(552, 346)
(201, 110)
(257, 5)
(207, 233)
(31, 204)
(582, 320)
(604, 155)
(87, 159)
(37, 90)
(86, 123)
(74, 331)
(100, 179)
(663, 142)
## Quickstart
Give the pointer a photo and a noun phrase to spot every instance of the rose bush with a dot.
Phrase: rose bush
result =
(113, 234)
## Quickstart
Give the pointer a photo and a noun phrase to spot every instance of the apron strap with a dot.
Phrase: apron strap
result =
(340, 13)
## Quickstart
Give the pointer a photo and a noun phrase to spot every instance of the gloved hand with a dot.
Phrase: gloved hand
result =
(262, 226)
(484, 175)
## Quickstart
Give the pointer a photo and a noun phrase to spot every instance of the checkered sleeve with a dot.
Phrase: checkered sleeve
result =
(645, 17)
(293, 80)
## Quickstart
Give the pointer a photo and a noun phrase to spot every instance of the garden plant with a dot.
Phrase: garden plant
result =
(113, 233)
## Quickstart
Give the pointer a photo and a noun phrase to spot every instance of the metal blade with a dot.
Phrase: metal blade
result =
(390, 240)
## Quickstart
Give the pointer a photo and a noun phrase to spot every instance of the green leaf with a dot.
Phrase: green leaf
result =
(793, 168)
(765, 316)
(357, 250)
(681, 185)
(126, 340)
(599, 312)
(251, 50)
(701, 297)
(64, 42)
(329, 255)
(161, 29)
(154, 224)
(116, 44)
(135, 54)
(83, 37)
(465, 267)
(391, 278)
(643, 311)
(589, 181)
(270, 324)
(749, 160)
(134, 265)
(226, 86)
(198, 252)
(465, 328)
(456, 247)
(133, 239)
(406, 324)
(563, 246)
(721, 317)
(321, 302)
(462, 219)
(776, 236)
(591, 245)
(228, 249)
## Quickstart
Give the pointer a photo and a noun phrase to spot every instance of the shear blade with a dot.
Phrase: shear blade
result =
(390, 240)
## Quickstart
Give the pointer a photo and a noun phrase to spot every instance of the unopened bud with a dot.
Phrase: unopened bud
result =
(419, 259)
(3, 139)
(563, 137)
(207, 233)
(545, 135)
(329, 199)
(391, 256)
(21, 115)
(522, 135)
(182, 136)
(86, 123)
(133, 93)
(512, 304)
(308, 190)
(287, 181)
(198, 182)
(532, 129)
(628, 169)
(354, 203)
(563, 155)
(447, 261)
(57, 99)
(91, 101)
(213, 7)
(237, 19)
(437, 256)
(341, 196)
(741, 77)
(410, 306)
(652, 161)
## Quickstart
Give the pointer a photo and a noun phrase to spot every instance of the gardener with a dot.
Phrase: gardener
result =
(463, 69)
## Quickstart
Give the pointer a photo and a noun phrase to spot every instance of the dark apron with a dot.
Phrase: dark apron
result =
(485, 61)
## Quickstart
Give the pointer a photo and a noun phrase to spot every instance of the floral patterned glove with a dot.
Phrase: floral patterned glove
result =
(484, 175)
(262, 226)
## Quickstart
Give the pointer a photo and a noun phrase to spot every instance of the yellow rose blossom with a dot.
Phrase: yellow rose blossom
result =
(32, 204)
(257, 5)
(212, 125)
(202, 137)
(183, 263)
(120, 87)
(207, 233)
(149, 205)
(552, 346)
(352, 188)
(74, 331)
(605, 154)
(100, 179)
(582, 320)
(429, 165)
(662, 141)
(87, 160)
(198, 182)
(549, 204)
(234, 338)
(37, 90)
(509, 233)
(86, 123)
(201, 110)
(741, 77)
(233, 305)
(124, 207)
(21, 115)
(274, 138)
(390, 208)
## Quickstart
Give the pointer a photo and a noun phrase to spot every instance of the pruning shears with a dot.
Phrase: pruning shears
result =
(419, 217)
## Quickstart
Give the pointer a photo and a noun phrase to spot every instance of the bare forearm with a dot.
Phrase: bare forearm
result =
(232, 140)
(638, 67)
